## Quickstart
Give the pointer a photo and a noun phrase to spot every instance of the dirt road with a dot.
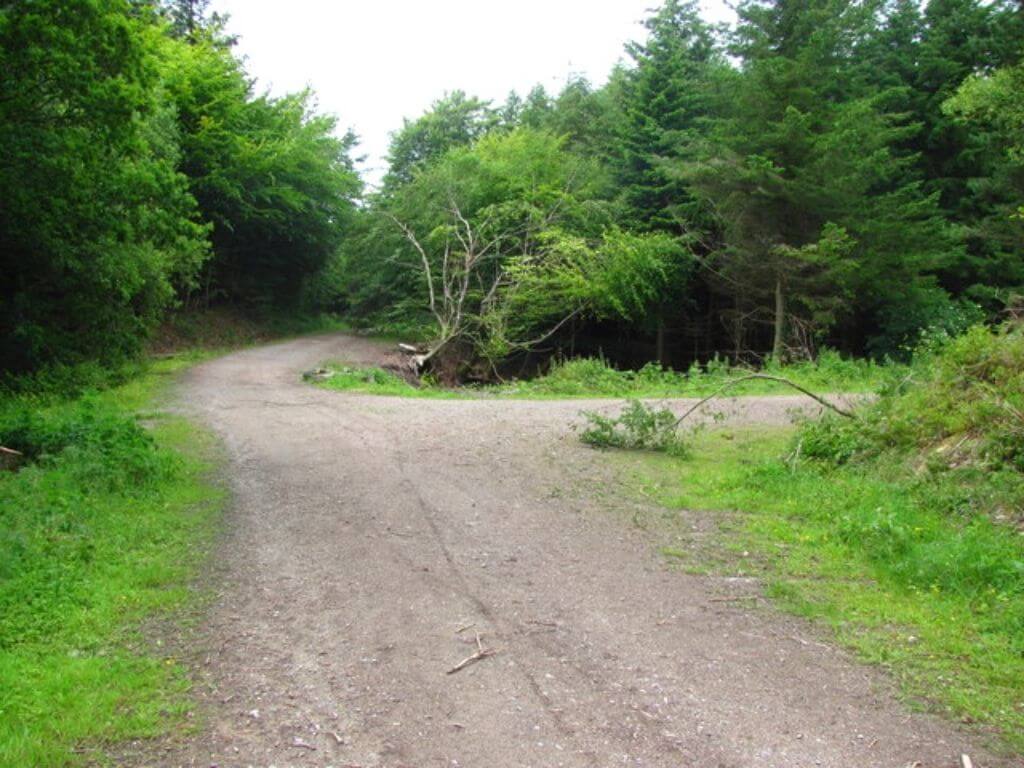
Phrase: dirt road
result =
(370, 541)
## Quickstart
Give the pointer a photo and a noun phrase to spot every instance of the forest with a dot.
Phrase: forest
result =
(823, 199)
(824, 173)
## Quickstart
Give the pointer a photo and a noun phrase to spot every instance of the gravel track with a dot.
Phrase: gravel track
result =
(371, 540)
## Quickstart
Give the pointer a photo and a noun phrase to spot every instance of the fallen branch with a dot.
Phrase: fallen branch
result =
(471, 660)
(765, 377)
(481, 653)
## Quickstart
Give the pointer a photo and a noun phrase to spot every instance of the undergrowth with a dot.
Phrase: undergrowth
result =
(638, 426)
(595, 378)
(183, 338)
(592, 377)
(348, 378)
(100, 530)
(221, 328)
(956, 420)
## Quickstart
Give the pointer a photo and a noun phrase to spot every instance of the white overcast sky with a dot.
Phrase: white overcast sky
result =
(373, 63)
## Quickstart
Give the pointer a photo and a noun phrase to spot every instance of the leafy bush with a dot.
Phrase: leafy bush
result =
(831, 439)
(582, 376)
(962, 408)
(638, 426)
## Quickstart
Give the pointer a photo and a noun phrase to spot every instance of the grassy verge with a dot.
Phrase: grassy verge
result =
(593, 378)
(936, 598)
(100, 534)
(377, 381)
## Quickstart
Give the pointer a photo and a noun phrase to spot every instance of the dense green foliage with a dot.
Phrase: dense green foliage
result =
(958, 417)
(274, 183)
(96, 224)
(829, 172)
(822, 172)
(99, 530)
(139, 168)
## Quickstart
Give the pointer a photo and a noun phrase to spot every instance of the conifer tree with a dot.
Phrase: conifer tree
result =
(665, 97)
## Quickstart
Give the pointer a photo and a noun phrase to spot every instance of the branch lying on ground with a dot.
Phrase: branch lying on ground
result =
(766, 377)
(481, 653)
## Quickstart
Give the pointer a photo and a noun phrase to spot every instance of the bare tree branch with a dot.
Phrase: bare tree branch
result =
(411, 237)
(765, 377)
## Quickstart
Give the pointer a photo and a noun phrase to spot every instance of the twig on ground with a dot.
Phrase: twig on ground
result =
(481, 653)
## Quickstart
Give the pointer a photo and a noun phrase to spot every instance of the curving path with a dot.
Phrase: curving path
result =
(366, 532)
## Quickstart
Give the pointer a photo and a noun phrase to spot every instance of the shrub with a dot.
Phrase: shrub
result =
(963, 408)
(638, 426)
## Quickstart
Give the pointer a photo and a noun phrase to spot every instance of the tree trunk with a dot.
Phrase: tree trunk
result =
(737, 338)
(780, 321)
(660, 343)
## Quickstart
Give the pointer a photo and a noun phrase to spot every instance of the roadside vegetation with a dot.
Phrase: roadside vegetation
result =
(102, 526)
(144, 173)
(222, 328)
(901, 530)
(106, 513)
(597, 378)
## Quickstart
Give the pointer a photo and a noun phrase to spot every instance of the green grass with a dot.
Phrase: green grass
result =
(100, 536)
(875, 554)
(377, 381)
(594, 378)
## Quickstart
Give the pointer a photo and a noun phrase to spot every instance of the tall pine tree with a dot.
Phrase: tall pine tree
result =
(818, 208)
(665, 97)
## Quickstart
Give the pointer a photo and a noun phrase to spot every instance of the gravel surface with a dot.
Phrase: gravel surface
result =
(375, 543)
